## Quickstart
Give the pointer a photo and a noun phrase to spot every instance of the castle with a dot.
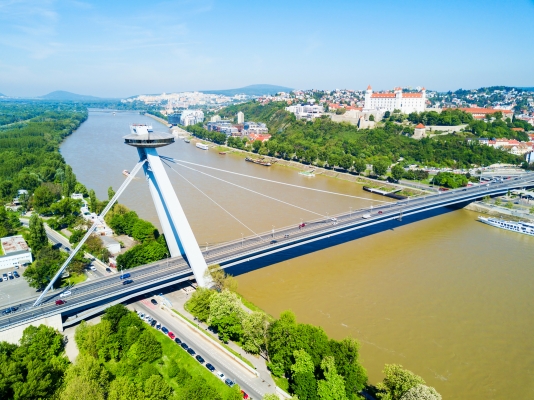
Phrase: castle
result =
(385, 101)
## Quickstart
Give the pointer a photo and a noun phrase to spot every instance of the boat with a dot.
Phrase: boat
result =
(126, 172)
(260, 162)
(187, 140)
(114, 113)
(307, 173)
(525, 228)
(202, 146)
(223, 153)
(149, 128)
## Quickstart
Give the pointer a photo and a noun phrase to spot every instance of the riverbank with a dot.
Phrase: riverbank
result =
(498, 211)
(161, 120)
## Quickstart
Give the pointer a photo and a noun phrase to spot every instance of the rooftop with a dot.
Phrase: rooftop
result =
(12, 244)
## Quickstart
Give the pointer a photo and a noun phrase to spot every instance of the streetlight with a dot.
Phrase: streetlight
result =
(273, 231)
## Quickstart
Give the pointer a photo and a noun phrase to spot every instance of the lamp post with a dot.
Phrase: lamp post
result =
(273, 231)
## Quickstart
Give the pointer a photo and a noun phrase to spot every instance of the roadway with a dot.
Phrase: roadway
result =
(88, 294)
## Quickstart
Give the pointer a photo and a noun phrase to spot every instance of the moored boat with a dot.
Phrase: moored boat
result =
(259, 162)
(126, 172)
(525, 228)
(307, 173)
(202, 146)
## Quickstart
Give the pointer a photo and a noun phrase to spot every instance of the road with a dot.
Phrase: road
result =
(87, 294)
(212, 354)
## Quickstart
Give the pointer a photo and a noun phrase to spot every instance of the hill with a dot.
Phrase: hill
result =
(2, 95)
(68, 96)
(252, 90)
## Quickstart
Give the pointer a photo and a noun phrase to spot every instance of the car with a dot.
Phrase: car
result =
(245, 395)
(158, 326)
(16, 274)
(184, 346)
(60, 302)
(274, 241)
(200, 359)
(65, 293)
(9, 310)
(191, 351)
(220, 375)
(210, 367)
(67, 249)
(92, 268)
(124, 276)
(171, 335)
(127, 282)
(11, 277)
(153, 322)
(4, 277)
(164, 330)
(380, 212)
(229, 382)
(153, 301)
(365, 216)
(177, 340)
(10, 274)
(108, 269)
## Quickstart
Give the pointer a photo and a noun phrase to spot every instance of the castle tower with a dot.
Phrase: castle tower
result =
(178, 234)
(368, 94)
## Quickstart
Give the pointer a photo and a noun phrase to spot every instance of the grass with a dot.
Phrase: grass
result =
(282, 383)
(235, 353)
(173, 351)
(74, 279)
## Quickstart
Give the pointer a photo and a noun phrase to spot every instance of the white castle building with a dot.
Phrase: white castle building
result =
(386, 101)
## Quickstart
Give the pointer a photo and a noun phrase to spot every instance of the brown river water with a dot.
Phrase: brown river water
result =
(447, 297)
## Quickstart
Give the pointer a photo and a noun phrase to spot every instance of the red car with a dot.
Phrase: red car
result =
(171, 335)
(60, 302)
(245, 395)
(380, 212)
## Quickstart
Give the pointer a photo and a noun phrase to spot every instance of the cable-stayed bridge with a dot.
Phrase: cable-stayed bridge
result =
(189, 260)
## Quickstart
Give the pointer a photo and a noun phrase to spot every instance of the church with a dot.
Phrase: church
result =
(387, 101)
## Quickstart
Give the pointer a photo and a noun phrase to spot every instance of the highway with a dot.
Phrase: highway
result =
(98, 291)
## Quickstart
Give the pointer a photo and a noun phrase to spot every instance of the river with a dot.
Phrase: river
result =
(447, 297)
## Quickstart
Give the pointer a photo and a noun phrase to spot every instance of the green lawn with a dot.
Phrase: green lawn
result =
(73, 279)
(173, 351)
(282, 383)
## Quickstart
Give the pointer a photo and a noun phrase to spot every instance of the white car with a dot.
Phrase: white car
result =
(220, 375)
(65, 294)
(92, 268)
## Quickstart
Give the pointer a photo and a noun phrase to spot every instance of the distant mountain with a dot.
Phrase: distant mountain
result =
(252, 90)
(2, 95)
(68, 96)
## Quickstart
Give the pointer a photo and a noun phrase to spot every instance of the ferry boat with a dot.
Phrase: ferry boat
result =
(260, 162)
(307, 173)
(525, 228)
(126, 172)
(202, 146)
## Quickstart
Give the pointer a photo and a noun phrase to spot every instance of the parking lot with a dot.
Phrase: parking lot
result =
(17, 289)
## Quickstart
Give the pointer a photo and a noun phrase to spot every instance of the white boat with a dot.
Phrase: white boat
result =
(525, 228)
(202, 146)
(149, 128)
(126, 172)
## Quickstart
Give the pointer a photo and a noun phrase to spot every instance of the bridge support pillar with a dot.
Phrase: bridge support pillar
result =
(178, 234)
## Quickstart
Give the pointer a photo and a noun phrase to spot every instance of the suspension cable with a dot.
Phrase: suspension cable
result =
(217, 204)
(269, 180)
(250, 190)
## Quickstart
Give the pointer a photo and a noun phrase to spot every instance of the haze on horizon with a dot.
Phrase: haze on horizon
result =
(123, 48)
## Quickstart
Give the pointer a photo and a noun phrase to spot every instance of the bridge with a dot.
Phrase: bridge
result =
(94, 296)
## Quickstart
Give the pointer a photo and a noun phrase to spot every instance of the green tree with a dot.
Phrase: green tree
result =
(397, 172)
(143, 230)
(92, 201)
(255, 326)
(38, 238)
(270, 396)
(199, 303)
(359, 165)
(380, 167)
(111, 193)
(226, 314)
(146, 349)
(121, 388)
(256, 145)
(346, 162)
(397, 382)
(69, 182)
(303, 382)
(371, 117)
(157, 389)
(346, 354)
(332, 387)
(509, 205)
(43, 269)
(282, 334)
(43, 197)
(421, 392)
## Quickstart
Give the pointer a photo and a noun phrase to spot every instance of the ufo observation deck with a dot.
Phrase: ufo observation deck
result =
(140, 136)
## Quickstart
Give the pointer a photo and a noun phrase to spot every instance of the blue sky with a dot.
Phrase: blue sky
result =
(118, 48)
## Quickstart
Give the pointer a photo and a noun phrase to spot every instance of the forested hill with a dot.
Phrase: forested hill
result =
(327, 143)
(252, 90)
(29, 152)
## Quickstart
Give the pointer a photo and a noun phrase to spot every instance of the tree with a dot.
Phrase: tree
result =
(143, 230)
(371, 117)
(380, 167)
(43, 197)
(121, 388)
(498, 201)
(226, 314)
(397, 172)
(359, 165)
(43, 269)
(256, 145)
(346, 161)
(270, 396)
(397, 382)
(114, 314)
(303, 382)
(199, 303)
(146, 349)
(69, 182)
(332, 387)
(509, 205)
(255, 327)
(157, 389)
(38, 238)
(421, 392)
(282, 335)
(221, 280)
(111, 193)
(92, 201)
(346, 354)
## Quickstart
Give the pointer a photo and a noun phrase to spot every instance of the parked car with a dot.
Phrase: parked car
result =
(200, 359)
(124, 276)
(158, 326)
(184, 346)
(11, 277)
(245, 395)
(92, 268)
(191, 351)
(153, 301)
(210, 367)
(153, 322)
(4, 277)
(220, 375)
(108, 269)
(229, 382)
(65, 294)
(16, 274)
(60, 302)
(380, 212)
(177, 340)
(171, 335)
(164, 330)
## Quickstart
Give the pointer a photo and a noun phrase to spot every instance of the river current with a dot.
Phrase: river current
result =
(447, 297)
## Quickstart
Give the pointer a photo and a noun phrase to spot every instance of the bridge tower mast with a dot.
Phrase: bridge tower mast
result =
(178, 234)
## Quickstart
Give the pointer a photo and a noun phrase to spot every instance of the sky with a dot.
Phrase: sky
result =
(122, 48)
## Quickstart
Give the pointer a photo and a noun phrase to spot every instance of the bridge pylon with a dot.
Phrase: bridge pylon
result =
(178, 233)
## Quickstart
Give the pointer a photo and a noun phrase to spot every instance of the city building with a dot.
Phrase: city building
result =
(480, 112)
(215, 118)
(257, 136)
(306, 111)
(419, 131)
(398, 100)
(111, 244)
(16, 252)
(174, 119)
(240, 117)
(255, 127)
(191, 117)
